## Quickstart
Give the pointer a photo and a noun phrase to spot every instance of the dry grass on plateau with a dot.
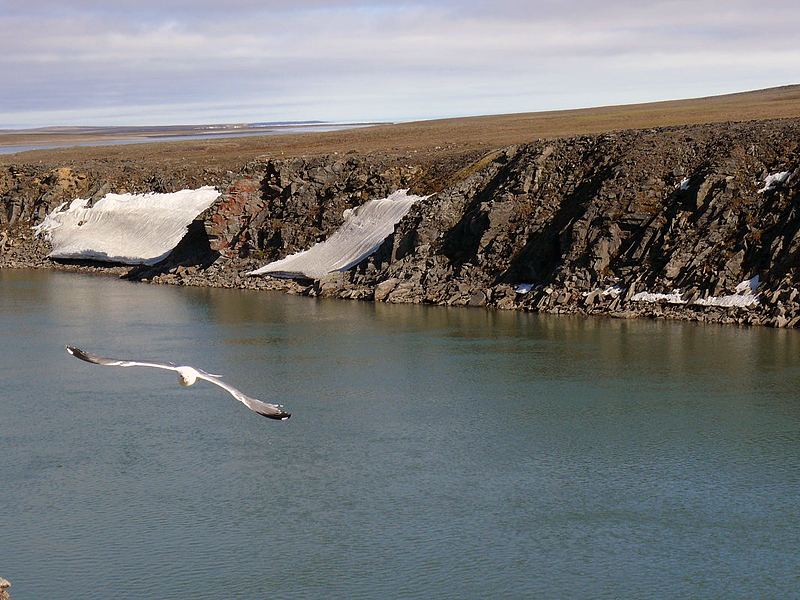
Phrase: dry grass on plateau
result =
(434, 140)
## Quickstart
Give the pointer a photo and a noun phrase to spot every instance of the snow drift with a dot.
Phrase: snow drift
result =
(745, 294)
(125, 228)
(361, 234)
(774, 180)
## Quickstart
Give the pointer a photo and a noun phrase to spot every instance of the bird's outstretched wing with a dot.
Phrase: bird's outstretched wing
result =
(118, 362)
(273, 411)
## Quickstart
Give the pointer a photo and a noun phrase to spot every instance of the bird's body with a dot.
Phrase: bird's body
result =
(187, 375)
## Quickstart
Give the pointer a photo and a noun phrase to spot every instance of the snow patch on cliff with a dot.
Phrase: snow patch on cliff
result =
(125, 228)
(744, 295)
(613, 291)
(361, 234)
(771, 181)
(672, 298)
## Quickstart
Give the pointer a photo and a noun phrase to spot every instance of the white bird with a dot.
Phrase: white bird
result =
(187, 376)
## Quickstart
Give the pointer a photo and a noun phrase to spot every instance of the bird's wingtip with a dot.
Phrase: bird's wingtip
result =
(78, 353)
(281, 416)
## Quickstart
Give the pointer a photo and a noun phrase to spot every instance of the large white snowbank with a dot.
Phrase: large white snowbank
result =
(362, 232)
(125, 228)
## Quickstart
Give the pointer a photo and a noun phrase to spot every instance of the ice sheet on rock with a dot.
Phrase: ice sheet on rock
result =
(125, 228)
(362, 232)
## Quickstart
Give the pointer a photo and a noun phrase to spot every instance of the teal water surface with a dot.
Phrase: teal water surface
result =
(432, 452)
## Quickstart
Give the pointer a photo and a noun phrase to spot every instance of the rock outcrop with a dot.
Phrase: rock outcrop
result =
(4, 585)
(682, 208)
(577, 225)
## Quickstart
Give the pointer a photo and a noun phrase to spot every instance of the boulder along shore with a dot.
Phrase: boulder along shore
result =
(577, 225)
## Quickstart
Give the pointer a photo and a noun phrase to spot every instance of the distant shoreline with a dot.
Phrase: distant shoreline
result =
(51, 138)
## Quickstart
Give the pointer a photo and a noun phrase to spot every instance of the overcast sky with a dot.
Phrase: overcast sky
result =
(136, 62)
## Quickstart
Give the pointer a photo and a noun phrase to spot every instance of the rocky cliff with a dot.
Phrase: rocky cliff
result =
(582, 224)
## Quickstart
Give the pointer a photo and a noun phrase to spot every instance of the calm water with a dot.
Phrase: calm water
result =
(433, 453)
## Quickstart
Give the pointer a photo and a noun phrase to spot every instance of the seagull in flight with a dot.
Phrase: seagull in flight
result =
(187, 376)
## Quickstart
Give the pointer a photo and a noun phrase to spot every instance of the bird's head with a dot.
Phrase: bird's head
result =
(186, 377)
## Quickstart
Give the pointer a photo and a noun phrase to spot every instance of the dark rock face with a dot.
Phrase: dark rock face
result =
(654, 210)
(585, 222)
